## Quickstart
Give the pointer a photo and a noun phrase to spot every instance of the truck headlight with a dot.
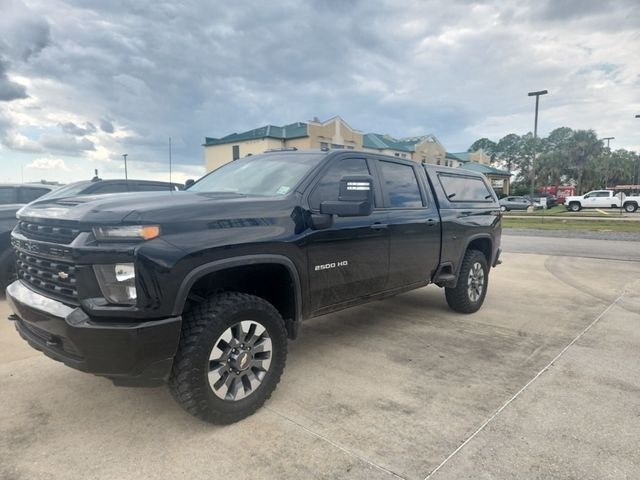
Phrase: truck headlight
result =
(117, 282)
(126, 232)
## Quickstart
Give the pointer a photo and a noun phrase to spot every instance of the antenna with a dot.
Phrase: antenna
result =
(125, 155)
(170, 182)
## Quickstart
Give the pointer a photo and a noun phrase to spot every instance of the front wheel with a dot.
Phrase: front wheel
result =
(468, 295)
(575, 206)
(232, 352)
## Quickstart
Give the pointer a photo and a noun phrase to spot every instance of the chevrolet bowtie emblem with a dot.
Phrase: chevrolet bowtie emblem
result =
(63, 275)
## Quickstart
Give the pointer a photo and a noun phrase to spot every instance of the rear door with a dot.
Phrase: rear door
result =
(350, 259)
(414, 223)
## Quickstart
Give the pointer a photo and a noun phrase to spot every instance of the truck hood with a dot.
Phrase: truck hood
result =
(146, 207)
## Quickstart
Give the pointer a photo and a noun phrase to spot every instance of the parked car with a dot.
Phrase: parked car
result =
(22, 194)
(12, 198)
(102, 187)
(593, 199)
(515, 203)
(202, 288)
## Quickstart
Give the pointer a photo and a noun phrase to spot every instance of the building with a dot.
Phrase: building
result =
(335, 133)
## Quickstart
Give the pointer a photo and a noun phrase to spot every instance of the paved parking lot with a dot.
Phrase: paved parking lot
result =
(392, 389)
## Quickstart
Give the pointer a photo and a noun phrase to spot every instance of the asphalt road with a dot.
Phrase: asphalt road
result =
(572, 247)
(543, 382)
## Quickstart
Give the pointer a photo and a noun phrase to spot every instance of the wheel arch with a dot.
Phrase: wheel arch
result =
(290, 308)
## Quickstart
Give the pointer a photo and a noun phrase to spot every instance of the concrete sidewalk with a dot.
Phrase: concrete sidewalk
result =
(387, 390)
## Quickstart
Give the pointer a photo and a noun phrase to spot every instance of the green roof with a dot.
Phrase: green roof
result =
(484, 169)
(293, 130)
(383, 142)
(460, 156)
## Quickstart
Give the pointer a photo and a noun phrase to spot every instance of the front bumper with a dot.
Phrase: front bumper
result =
(134, 354)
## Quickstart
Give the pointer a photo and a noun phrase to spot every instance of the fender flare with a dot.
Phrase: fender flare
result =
(224, 264)
(477, 236)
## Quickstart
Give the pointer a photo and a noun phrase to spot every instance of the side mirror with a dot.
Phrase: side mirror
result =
(355, 198)
(189, 182)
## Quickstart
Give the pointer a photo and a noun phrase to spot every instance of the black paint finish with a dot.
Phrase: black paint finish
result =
(324, 263)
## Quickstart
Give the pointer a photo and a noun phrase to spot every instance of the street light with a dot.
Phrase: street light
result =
(535, 137)
(125, 155)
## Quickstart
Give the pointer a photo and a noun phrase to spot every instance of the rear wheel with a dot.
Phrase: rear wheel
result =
(503, 208)
(575, 207)
(232, 352)
(630, 207)
(468, 295)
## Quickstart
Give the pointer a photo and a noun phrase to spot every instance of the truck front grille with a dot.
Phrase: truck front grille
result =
(55, 277)
(48, 233)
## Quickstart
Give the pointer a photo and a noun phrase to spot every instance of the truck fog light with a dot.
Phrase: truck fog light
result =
(117, 282)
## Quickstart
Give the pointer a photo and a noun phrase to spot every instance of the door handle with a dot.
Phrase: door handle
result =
(378, 226)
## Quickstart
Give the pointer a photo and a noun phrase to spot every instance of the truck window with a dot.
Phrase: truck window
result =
(7, 195)
(28, 194)
(109, 188)
(401, 185)
(328, 187)
(460, 188)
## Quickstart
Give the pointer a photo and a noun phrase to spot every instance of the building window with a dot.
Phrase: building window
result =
(236, 152)
(350, 147)
(335, 145)
(397, 154)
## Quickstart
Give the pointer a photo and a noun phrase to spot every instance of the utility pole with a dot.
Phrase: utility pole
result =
(606, 171)
(125, 155)
(535, 138)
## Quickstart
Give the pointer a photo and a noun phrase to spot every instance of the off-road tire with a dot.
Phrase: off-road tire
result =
(458, 297)
(201, 327)
(7, 269)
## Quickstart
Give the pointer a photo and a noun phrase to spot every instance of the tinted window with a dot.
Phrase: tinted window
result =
(149, 187)
(27, 195)
(7, 195)
(459, 188)
(109, 188)
(401, 184)
(328, 187)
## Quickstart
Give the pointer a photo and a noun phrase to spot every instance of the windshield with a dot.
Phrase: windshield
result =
(270, 174)
(66, 191)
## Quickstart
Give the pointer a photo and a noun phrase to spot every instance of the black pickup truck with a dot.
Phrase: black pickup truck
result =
(202, 288)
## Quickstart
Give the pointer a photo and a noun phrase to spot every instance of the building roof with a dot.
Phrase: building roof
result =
(384, 142)
(484, 169)
(460, 156)
(293, 130)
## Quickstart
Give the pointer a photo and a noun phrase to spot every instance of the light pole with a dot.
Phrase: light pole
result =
(606, 171)
(125, 155)
(638, 180)
(535, 138)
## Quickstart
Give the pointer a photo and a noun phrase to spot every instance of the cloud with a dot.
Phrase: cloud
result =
(73, 129)
(9, 90)
(48, 164)
(106, 126)
(66, 144)
(457, 69)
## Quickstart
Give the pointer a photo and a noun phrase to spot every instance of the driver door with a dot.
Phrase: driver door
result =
(349, 259)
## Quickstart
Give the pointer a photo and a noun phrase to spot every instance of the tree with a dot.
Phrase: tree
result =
(508, 150)
(584, 148)
(488, 146)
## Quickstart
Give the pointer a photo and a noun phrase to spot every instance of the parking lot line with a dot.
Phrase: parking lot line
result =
(519, 392)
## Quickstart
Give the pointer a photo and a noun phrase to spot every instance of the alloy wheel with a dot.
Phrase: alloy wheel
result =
(475, 282)
(239, 360)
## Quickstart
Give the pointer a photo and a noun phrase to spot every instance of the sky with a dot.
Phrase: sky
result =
(82, 82)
